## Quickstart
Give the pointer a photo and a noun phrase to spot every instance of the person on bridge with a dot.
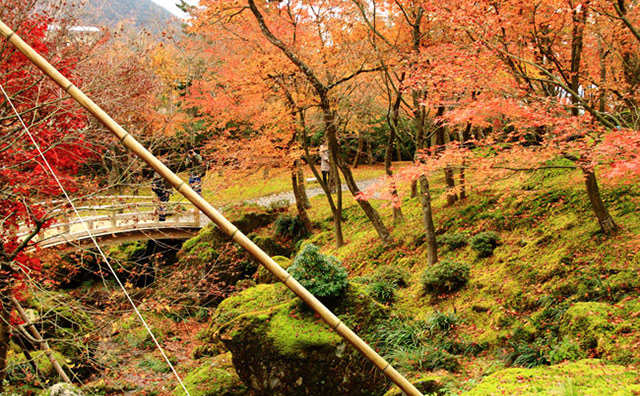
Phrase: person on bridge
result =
(162, 190)
(195, 167)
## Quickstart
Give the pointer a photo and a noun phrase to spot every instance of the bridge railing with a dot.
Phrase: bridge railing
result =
(118, 217)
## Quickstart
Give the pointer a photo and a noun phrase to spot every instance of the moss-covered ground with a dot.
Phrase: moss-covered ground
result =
(553, 309)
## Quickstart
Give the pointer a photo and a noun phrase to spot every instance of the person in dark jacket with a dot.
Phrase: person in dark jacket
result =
(162, 190)
(196, 169)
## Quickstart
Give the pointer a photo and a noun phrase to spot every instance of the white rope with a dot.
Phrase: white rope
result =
(104, 257)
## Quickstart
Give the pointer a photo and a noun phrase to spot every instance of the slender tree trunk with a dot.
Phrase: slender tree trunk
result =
(372, 214)
(440, 143)
(452, 197)
(607, 223)
(427, 219)
(302, 185)
(464, 138)
(370, 157)
(302, 209)
(5, 327)
(393, 130)
(359, 150)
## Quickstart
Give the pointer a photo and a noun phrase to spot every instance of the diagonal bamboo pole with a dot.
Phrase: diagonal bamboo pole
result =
(225, 225)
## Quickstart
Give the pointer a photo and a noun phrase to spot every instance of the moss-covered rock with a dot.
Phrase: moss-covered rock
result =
(280, 347)
(264, 276)
(585, 377)
(427, 385)
(215, 377)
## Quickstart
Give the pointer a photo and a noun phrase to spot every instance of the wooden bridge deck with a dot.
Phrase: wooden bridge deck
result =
(121, 222)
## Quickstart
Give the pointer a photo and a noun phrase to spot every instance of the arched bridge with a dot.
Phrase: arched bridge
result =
(122, 222)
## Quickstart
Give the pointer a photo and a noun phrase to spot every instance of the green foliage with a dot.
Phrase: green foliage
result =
(398, 333)
(528, 355)
(322, 275)
(382, 291)
(443, 322)
(392, 274)
(445, 276)
(484, 243)
(453, 241)
(567, 349)
(425, 357)
(290, 227)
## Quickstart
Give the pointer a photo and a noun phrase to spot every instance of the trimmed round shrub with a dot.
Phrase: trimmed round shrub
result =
(453, 241)
(484, 243)
(445, 276)
(322, 275)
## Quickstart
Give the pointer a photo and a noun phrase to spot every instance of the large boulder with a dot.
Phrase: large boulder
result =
(281, 348)
(215, 377)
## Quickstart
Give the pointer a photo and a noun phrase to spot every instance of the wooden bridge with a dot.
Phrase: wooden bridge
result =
(118, 222)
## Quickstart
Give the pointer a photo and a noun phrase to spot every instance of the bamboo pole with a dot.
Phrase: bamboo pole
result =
(225, 225)
(43, 343)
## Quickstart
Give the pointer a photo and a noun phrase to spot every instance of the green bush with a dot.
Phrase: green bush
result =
(322, 275)
(484, 243)
(383, 292)
(453, 241)
(445, 276)
(391, 274)
(290, 227)
(443, 322)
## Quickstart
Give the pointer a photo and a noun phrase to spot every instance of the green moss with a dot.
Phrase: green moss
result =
(17, 364)
(294, 333)
(587, 377)
(214, 377)
(588, 322)
(265, 276)
(427, 385)
(262, 298)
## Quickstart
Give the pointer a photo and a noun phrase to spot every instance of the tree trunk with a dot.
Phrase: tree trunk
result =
(302, 185)
(604, 218)
(356, 159)
(440, 143)
(452, 197)
(427, 219)
(5, 329)
(463, 192)
(371, 213)
(302, 209)
(393, 131)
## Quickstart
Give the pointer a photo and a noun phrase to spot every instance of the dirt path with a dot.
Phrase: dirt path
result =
(311, 192)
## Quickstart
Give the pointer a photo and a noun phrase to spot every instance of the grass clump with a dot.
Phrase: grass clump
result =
(383, 292)
(484, 243)
(445, 276)
(322, 275)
